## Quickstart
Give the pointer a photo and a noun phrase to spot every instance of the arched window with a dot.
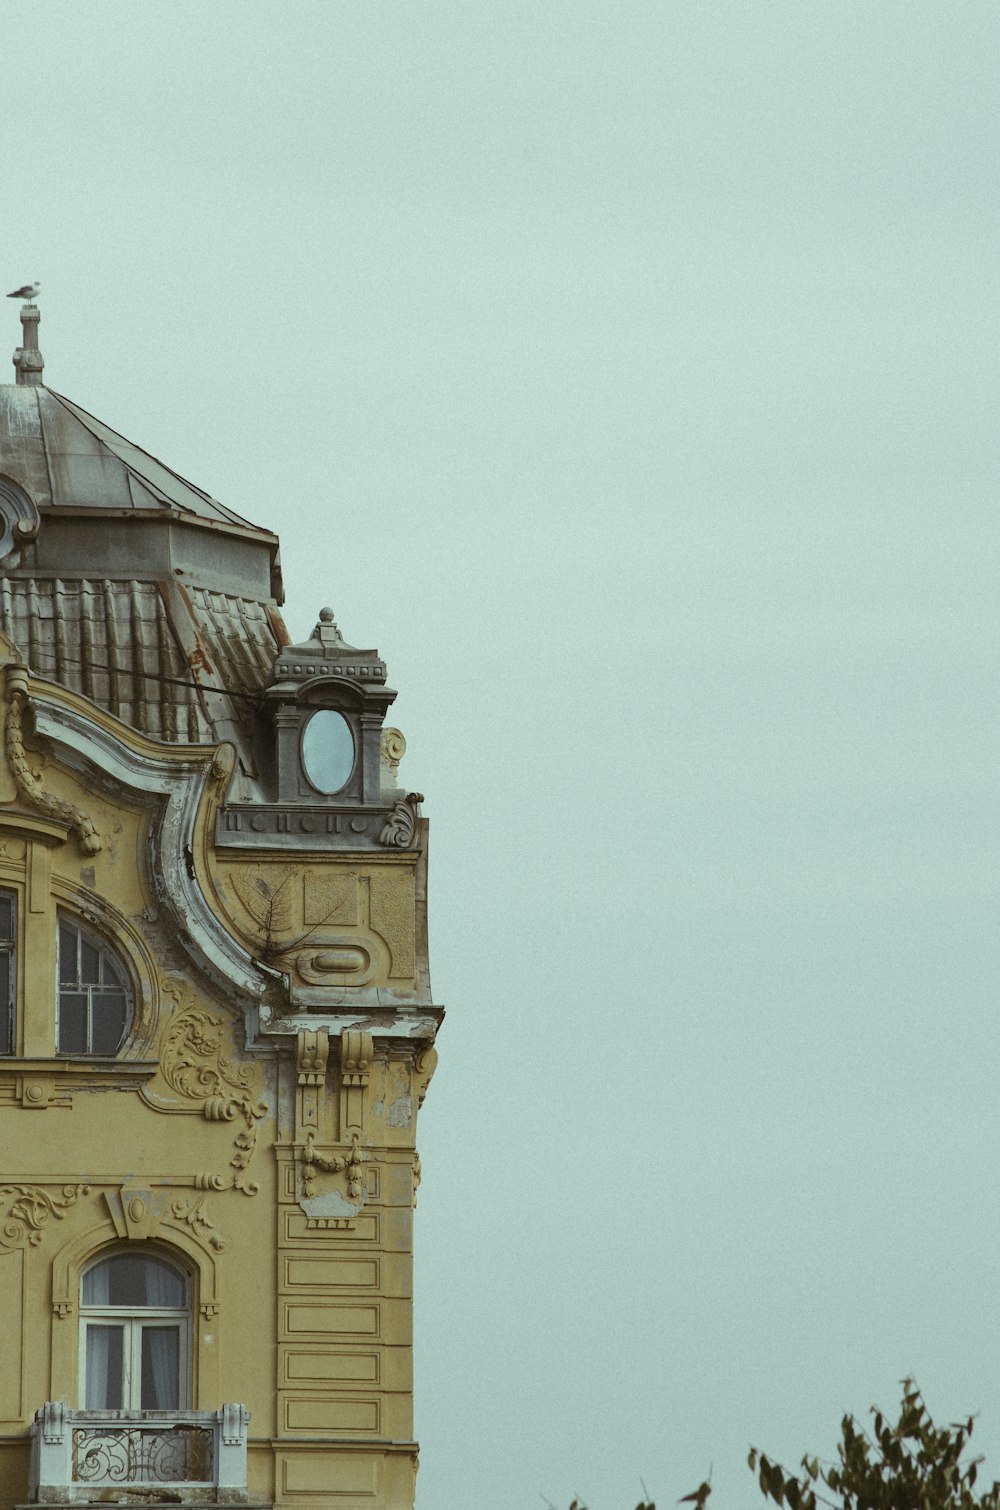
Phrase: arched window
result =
(94, 998)
(135, 1333)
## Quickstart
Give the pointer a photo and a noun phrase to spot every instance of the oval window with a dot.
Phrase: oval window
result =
(328, 751)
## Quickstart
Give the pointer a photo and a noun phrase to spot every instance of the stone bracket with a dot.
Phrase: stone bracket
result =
(312, 1053)
(356, 1052)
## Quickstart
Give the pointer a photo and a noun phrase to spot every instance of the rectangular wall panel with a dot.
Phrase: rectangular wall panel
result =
(296, 1230)
(305, 1413)
(324, 1366)
(11, 1359)
(314, 1273)
(327, 1474)
(329, 1319)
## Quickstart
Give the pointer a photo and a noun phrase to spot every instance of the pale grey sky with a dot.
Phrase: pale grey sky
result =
(627, 373)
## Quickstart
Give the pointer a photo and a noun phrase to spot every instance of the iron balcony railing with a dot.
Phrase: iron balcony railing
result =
(79, 1455)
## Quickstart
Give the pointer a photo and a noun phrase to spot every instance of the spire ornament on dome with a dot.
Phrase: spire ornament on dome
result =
(28, 360)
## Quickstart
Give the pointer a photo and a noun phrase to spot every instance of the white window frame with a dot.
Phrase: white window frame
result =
(133, 1319)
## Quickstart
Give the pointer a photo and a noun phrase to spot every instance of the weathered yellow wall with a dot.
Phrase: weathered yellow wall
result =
(193, 1141)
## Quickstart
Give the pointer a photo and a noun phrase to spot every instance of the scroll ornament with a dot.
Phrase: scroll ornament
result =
(193, 1064)
(423, 1069)
(392, 747)
(25, 1210)
(193, 1214)
(400, 828)
(29, 789)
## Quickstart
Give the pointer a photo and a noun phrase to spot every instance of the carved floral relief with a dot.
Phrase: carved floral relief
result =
(197, 1064)
(25, 1211)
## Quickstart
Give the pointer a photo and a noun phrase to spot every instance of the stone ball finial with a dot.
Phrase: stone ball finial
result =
(326, 630)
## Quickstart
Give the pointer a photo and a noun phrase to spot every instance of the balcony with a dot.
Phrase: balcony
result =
(87, 1457)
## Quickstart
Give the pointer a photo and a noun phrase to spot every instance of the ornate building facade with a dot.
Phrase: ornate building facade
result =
(216, 1023)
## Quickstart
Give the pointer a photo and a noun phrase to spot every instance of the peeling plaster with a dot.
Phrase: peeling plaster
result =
(331, 1204)
(400, 1112)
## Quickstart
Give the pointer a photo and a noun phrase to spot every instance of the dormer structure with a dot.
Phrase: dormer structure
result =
(216, 1021)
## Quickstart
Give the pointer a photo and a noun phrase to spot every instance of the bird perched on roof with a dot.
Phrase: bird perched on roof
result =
(27, 291)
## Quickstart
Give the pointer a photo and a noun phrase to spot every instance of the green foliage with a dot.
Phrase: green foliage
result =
(644, 1504)
(912, 1465)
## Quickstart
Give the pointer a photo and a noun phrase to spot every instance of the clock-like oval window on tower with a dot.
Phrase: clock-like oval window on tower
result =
(328, 751)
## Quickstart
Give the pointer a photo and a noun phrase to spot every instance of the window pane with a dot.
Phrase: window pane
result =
(161, 1368)
(110, 973)
(107, 1022)
(6, 1005)
(104, 1367)
(95, 1290)
(68, 973)
(6, 918)
(95, 1000)
(90, 963)
(72, 1023)
(134, 1280)
(328, 750)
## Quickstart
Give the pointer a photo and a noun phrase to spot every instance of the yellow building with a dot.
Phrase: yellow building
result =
(216, 1023)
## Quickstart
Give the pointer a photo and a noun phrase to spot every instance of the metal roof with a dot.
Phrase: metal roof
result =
(106, 588)
(66, 458)
(185, 670)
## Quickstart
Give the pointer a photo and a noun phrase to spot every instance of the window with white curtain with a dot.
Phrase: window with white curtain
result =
(135, 1333)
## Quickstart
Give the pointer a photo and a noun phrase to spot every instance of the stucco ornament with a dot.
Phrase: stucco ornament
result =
(392, 748)
(194, 1215)
(26, 1209)
(196, 1063)
(29, 789)
(400, 828)
(349, 1163)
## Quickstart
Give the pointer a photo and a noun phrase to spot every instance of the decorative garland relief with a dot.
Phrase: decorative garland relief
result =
(351, 1164)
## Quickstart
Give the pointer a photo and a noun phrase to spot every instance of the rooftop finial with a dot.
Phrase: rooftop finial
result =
(326, 630)
(28, 360)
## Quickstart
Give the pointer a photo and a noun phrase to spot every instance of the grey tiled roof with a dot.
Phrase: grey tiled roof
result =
(173, 630)
(120, 644)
